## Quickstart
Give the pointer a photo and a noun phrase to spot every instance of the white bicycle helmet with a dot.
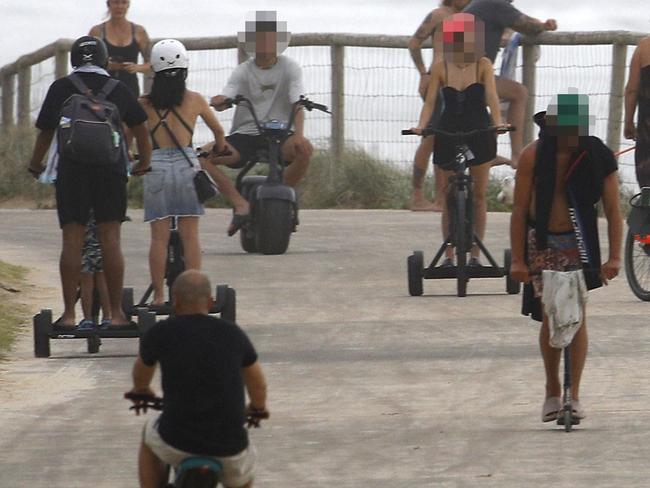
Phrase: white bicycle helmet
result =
(168, 54)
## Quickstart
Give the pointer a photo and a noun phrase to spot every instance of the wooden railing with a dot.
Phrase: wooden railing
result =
(20, 70)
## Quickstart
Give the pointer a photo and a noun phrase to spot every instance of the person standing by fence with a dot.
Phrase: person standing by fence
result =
(498, 15)
(429, 29)
(125, 42)
(637, 94)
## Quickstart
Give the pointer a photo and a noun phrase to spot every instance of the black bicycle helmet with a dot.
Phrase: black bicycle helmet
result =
(88, 50)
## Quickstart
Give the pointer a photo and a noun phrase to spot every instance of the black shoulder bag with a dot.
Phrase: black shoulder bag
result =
(204, 185)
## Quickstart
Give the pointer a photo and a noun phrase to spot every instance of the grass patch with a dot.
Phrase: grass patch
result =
(11, 314)
(16, 145)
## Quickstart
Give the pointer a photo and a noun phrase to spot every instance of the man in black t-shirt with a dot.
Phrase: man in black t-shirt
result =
(205, 363)
(81, 187)
(497, 16)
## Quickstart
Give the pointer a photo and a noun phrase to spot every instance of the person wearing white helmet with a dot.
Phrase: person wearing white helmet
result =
(172, 111)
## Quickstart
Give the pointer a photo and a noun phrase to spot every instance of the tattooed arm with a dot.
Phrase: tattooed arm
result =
(423, 33)
(530, 26)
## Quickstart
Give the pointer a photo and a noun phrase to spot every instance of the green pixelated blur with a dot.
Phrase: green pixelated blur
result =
(568, 114)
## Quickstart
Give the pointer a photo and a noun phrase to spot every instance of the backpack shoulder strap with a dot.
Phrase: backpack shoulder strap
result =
(79, 84)
(108, 87)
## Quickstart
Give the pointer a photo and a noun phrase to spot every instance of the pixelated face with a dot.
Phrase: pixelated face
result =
(264, 34)
(568, 115)
(463, 38)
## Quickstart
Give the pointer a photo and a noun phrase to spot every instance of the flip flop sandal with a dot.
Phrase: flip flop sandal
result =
(130, 326)
(551, 409)
(237, 222)
(59, 326)
(577, 410)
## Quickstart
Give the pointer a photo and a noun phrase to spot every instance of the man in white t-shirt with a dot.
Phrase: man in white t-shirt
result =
(273, 83)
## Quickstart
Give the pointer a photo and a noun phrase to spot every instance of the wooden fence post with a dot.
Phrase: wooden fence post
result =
(619, 55)
(24, 94)
(337, 53)
(529, 80)
(60, 62)
(7, 100)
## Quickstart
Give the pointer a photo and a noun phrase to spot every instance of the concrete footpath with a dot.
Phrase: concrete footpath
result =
(368, 386)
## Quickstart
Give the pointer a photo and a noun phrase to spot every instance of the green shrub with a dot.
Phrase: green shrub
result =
(357, 180)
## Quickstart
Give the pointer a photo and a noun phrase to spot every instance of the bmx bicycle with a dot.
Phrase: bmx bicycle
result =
(273, 205)
(461, 236)
(637, 245)
(195, 471)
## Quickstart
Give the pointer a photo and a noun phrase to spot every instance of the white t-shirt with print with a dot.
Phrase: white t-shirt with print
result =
(272, 92)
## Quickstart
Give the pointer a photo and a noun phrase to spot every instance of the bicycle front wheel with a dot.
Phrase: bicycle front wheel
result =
(461, 242)
(637, 266)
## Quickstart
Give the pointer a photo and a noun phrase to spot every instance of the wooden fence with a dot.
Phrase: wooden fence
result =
(18, 74)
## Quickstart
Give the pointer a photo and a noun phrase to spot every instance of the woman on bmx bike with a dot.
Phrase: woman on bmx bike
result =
(468, 87)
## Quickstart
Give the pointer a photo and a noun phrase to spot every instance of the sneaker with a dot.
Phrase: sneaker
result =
(474, 262)
(86, 325)
(105, 324)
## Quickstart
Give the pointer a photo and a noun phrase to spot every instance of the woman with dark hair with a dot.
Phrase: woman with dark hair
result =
(169, 190)
(125, 42)
(637, 94)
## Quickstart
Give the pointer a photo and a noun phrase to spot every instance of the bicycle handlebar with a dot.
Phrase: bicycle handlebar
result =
(428, 131)
(303, 101)
(144, 401)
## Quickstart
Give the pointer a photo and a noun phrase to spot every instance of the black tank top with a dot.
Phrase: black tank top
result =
(122, 54)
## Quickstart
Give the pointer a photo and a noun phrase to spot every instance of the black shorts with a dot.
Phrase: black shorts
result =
(82, 188)
(247, 146)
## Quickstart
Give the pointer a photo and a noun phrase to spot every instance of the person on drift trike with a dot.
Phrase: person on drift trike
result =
(273, 83)
(205, 364)
(169, 192)
(466, 81)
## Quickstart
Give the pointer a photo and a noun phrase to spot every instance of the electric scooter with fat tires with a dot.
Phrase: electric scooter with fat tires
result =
(273, 205)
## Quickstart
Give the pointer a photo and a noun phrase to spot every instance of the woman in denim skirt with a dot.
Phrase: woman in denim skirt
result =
(172, 112)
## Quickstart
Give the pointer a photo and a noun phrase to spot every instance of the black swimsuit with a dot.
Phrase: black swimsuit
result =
(464, 110)
(121, 54)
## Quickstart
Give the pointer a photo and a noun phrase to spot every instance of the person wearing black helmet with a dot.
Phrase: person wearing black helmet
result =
(85, 185)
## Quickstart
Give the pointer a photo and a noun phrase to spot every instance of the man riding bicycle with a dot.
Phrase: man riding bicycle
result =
(273, 83)
(205, 363)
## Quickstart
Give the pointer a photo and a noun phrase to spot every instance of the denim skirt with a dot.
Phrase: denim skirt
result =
(169, 186)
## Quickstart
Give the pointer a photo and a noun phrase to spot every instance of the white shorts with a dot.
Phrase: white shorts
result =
(238, 470)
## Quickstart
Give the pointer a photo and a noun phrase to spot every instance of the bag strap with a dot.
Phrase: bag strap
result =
(79, 84)
(106, 90)
(163, 122)
(182, 121)
(108, 87)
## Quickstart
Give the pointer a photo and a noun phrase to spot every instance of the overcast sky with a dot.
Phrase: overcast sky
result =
(27, 25)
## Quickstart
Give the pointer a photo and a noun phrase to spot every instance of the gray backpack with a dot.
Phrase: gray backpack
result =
(90, 126)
